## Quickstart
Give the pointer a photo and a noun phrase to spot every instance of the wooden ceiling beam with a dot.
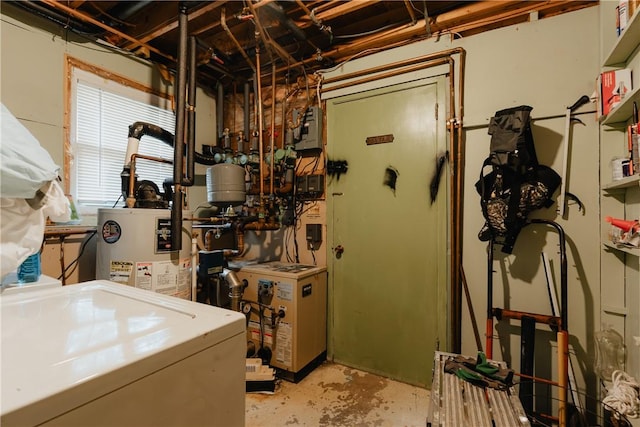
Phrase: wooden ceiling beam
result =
(168, 26)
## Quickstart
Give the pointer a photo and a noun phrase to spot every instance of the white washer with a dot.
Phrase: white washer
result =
(10, 284)
(105, 354)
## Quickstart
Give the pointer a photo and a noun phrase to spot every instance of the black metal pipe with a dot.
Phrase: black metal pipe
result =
(220, 110)
(178, 151)
(189, 177)
(247, 112)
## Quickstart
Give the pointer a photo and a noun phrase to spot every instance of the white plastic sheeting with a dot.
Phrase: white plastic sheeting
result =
(29, 193)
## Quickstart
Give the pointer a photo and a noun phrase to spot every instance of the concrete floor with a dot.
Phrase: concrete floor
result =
(335, 395)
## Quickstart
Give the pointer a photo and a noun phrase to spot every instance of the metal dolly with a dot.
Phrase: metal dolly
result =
(528, 324)
(454, 402)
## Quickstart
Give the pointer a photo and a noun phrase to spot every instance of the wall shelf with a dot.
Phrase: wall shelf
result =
(630, 251)
(626, 182)
(626, 43)
(623, 111)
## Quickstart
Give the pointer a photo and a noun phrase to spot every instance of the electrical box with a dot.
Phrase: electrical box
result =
(314, 236)
(287, 309)
(310, 186)
(309, 135)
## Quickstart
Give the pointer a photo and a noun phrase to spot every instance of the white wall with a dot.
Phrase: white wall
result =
(547, 64)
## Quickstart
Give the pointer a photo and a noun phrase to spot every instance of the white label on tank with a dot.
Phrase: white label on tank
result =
(285, 291)
(144, 275)
(284, 343)
(120, 271)
(165, 279)
(184, 276)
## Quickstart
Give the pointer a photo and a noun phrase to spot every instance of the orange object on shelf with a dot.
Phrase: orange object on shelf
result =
(623, 224)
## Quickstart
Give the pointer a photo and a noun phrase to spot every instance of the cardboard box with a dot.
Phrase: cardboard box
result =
(614, 85)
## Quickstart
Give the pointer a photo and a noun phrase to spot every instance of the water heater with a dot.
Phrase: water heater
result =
(134, 248)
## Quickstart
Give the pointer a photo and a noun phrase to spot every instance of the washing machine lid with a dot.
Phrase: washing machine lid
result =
(10, 284)
(72, 344)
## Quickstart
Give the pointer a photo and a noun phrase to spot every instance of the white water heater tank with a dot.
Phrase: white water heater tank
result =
(225, 185)
(134, 248)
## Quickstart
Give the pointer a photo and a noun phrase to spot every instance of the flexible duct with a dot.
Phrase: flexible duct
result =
(236, 287)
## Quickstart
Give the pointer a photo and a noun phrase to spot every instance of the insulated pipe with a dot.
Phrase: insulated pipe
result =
(189, 176)
(247, 112)
(220, 111)
(178, 149)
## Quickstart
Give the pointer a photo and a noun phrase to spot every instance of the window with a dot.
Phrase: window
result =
(101, 111)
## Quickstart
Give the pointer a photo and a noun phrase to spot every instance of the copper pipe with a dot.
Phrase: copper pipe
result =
(407, 3)
(268, 41)
(75, 13)
(390, 66)
(131, 200)
(213, 219)
(223, 22)
(260, 124)
(409, 69)
(273, 125)
(502, 313)
(284, 189)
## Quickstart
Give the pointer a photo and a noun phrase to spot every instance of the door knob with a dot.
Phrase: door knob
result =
(338, 250)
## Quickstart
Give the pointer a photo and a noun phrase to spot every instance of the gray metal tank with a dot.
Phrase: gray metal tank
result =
(225, 185)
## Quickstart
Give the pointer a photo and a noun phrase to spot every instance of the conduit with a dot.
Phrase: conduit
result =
(456, 149)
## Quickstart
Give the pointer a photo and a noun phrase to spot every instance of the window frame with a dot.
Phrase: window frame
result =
(116, 83)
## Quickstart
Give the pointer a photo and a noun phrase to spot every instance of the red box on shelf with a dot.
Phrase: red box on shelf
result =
(614, 85)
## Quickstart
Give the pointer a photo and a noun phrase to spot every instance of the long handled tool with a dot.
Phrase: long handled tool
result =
(562, 197)
(573, 385)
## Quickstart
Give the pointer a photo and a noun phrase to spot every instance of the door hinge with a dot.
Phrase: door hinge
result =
(436, 113)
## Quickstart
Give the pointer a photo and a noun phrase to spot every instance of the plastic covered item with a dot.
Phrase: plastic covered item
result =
(29, 193)
(24, 165)
(609, 353)
(23, 222)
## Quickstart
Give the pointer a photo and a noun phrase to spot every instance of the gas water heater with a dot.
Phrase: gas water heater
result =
(134, 248)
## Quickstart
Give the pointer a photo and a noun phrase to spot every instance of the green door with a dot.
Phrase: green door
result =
(388, 266)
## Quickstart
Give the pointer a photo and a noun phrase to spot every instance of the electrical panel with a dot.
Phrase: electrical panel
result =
(286, 305)
(309, 186)
(308, 136)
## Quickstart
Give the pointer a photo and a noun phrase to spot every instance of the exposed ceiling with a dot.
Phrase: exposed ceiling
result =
(299, 36)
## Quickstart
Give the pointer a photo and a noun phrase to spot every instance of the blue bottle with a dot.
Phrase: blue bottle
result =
(29, 271)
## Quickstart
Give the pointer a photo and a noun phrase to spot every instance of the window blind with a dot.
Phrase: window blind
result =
(102, 128)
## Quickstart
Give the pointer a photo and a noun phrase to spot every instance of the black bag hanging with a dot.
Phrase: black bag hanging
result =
(517, 184)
